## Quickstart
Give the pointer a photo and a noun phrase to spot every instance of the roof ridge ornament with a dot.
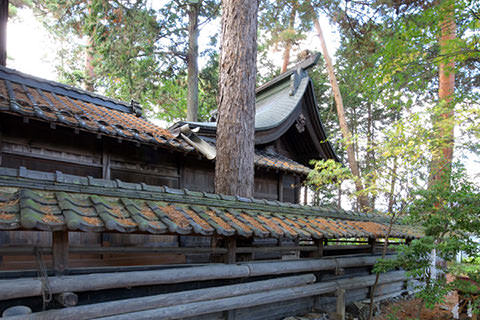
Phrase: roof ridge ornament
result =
(136, 108)
(295, 80)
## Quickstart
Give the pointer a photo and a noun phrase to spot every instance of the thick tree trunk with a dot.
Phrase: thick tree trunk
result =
(236, 102)
(289, 43)
(444, 119)
(3, 31)
(347, 135)
(192, 61)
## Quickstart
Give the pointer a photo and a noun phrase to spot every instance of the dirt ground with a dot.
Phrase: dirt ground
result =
(407, 310)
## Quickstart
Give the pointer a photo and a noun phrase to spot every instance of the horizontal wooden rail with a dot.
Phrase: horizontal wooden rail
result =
(164, 300)
(27, 287)
(255, 299)
(15, 251)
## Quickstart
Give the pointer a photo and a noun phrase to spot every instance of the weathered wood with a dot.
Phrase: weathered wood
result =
(60, 251)
(340, 294)
(12, 251)
(372, 242)
(243, 301)
(318, 253)
(171, 299)
(67, 299)
(106, 166)
(231, 256)
(275, 249)
(31, 287)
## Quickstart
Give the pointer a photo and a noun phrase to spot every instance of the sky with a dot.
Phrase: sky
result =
(31, 49)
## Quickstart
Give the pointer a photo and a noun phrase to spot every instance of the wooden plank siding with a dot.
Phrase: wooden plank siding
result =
(34, 145)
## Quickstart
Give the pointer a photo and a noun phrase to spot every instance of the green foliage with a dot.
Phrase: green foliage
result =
(137, 51)
(450, 216)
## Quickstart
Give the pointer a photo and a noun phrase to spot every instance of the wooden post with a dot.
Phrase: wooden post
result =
(280, 187)
(231, 255)
(60, 251)
(3, 31)
(319, 244)
(105, 165)
(372, 242)
(340, 304)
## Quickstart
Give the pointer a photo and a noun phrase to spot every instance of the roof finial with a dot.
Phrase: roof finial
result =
(136, 108)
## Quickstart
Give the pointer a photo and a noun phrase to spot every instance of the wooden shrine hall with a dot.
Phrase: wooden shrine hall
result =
(104, 214)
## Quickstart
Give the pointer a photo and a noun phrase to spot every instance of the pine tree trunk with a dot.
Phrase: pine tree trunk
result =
(289, 43)
(234, 169)
(89, 70)
(347, 135)
(3, 32)
(192, 61)
(443, 120)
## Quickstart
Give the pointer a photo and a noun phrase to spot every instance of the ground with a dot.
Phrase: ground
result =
(407, 309)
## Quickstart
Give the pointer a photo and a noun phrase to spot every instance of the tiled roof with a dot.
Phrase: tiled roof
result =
(277, 161)
(60, 104)
(32, 200)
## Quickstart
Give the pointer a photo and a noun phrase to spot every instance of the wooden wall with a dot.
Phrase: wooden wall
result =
(37, 146)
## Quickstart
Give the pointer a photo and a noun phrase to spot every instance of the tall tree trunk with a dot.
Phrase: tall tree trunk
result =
(443, 120)
(234, 169)
(192, 61)
(89, 70)
(3, 31)
(347, 135)
(289, 42)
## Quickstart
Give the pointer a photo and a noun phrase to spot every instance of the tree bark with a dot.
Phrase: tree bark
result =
(234, 169)
(192, 61)
(289, 43)
(444, 119)
(3, 32)
(89, 70)
(347, 135)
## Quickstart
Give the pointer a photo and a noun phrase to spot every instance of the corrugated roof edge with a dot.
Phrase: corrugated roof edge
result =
(58, 181)
(63, 89)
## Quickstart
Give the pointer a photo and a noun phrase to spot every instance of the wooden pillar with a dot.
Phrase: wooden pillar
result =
(106, 165)
(3, 31)
(319, 244)
(280, 187)
(60, 251)
(373, 243)
(231, 255)
(340, 304)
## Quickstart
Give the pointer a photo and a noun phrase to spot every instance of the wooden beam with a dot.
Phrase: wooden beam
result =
(280, 187)
(231, 256)
(196, 309)
(340, 294)
(60, 251)
(67, 299)
(372, 242)
(171, 299)
(318, 253)
(106, 166)
(17, 288)
(3, 31)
